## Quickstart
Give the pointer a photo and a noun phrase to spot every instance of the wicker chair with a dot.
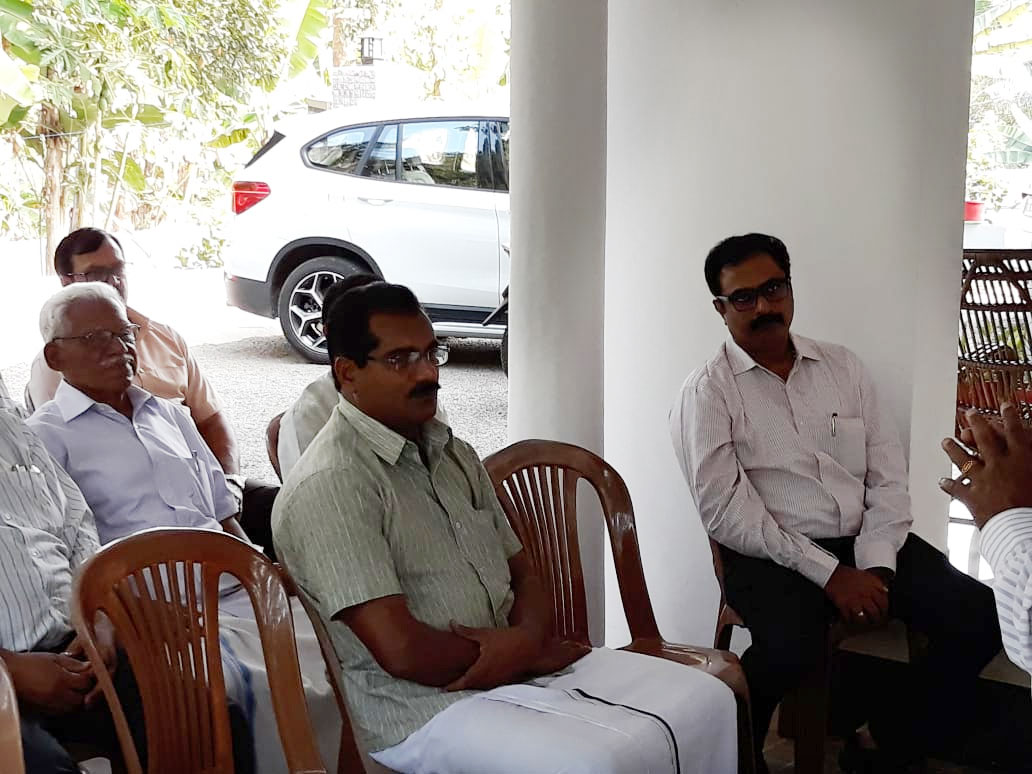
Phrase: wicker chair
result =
(994, 362)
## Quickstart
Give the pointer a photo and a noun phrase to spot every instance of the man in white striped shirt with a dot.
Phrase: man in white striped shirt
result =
(799, 476)
(46, 533)
(996, 488)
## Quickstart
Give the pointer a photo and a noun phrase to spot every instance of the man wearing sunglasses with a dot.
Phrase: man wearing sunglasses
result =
(166, 368)
(798, 474)
(441, 626)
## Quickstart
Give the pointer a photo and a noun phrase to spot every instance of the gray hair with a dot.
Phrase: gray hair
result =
(52, 315)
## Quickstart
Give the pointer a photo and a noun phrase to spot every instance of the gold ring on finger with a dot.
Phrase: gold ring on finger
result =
(967, 466)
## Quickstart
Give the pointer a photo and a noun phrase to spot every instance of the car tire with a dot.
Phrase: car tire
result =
(505, 351)
(300, 303)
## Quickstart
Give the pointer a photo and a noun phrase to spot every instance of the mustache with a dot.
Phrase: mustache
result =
(766, 319)
(424, 390)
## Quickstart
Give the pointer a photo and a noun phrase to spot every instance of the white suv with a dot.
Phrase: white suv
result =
(418, 196)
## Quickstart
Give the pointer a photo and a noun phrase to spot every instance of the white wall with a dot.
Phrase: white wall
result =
(558, 199)
(839, 126)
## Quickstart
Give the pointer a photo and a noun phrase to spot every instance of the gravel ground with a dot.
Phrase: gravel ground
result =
(258, 377)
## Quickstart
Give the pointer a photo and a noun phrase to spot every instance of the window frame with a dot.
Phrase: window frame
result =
(482, 127)
(376, 126)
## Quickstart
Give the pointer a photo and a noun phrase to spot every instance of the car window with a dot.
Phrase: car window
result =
(383, 158)
(498, 132)
(341, 151)
(440, 153)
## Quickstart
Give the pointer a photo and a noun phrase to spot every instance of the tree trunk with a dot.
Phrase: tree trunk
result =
(54, 147)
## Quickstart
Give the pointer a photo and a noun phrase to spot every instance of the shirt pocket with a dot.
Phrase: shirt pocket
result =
(24, 491)
(849, 445)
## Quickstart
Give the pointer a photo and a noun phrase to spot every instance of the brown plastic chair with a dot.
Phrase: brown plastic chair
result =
(272, 443)
(536, 482)
(350, 759)
(169, 629)
(10, 725)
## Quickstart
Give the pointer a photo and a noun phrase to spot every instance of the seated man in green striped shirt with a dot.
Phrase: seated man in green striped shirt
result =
(391, 525)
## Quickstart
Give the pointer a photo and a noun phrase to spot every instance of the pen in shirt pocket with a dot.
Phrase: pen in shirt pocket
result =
(834, 416)
(196, 463)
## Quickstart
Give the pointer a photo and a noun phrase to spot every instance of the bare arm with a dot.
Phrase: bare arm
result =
(532, 609)
(218, 434)
(406, 648)
(232, 527)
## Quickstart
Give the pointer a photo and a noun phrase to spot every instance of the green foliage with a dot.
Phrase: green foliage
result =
(205, 254)
(81, 79)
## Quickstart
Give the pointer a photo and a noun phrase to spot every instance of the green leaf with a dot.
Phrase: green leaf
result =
(15, 85)
(230, 138)
(148, 115)
(306, 41)
(132, 175)
(17, 9)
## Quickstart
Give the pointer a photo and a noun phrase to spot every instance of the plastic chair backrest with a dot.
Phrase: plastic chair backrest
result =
(536, 483)
(160, 590)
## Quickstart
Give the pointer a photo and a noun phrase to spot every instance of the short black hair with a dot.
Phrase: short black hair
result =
(82, 240)
(347, 324)
(734, 250)
(342, 286)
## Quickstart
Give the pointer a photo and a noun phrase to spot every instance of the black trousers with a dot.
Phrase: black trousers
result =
(788, 617)
(44, 737)
(256, 514)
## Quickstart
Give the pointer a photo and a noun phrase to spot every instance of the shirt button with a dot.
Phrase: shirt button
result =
(35, 553)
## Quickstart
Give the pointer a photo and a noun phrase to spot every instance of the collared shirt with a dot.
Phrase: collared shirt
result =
(46, 533)
(362, 516)
(308, 415)
(774, 465)
(1007, 546)
(154, 470)
(165, 369)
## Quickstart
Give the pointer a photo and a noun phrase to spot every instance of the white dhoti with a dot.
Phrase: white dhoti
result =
(247, 683)
(613, 712)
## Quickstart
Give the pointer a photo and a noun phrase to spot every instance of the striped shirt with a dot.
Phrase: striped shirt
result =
(1007, 546)
(46, 532)
(775, 465)
(361, 517)
(7, 404)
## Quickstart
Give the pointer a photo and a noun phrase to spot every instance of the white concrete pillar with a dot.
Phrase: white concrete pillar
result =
(558, 184)
(839, 126)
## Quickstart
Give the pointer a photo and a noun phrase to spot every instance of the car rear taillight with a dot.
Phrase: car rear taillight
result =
(247, 194)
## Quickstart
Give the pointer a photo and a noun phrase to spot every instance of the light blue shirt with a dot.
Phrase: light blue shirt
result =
(152, 471)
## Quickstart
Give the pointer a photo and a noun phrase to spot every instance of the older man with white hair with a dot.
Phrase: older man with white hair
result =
(141, 463)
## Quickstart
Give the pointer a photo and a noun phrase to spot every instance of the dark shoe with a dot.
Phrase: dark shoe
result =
(856, 759)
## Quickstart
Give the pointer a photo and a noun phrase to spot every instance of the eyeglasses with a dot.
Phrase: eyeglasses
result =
(108, 276)
(99, 340)
(745, 299)
(402, 361)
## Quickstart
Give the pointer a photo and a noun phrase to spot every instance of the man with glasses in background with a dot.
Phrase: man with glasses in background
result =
(798, 474)
(166, 368)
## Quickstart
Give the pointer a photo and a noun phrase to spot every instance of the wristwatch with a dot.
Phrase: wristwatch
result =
(235, 484)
